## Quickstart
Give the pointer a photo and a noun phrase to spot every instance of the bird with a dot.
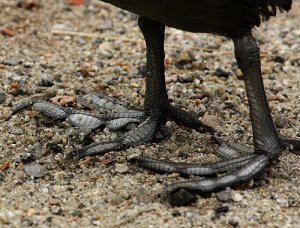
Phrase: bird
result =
(234, 19)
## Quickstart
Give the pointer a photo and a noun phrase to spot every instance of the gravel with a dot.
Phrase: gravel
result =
(38, 189)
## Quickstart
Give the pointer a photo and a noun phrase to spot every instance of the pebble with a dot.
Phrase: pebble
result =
(234, 222)
(185, 57)
(121, 168)
(78, 136)
(56, 210)
(221, 73)
(2, 177)
(32, 153)
(35, 170)
(279, 59)
(106, 49)
(105, 25)
(28, 64)
(280, 121)
(188, 78)
(46, 80)
(282, 202)
(53, 201)
(60, 27)
(237, 197)
(12, 61)
(221, 210)
(225, 195)
(189, 214)
(2, 98)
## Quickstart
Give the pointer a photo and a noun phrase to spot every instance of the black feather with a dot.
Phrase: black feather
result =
(232, 18)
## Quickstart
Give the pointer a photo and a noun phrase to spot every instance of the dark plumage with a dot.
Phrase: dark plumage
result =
(232, 18)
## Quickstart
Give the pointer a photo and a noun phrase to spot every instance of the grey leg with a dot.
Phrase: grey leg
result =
(156, 106)
(267, 143)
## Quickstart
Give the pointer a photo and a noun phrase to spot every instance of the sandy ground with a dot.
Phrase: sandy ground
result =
(107, 55)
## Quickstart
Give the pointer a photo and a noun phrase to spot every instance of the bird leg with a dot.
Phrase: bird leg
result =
(268, 145)
(238, 165)
(156, 105)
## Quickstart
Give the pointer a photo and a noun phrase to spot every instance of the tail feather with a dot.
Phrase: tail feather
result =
(268, 8)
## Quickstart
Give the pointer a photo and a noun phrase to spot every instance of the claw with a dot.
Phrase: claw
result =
(21, 106)
(291, 143)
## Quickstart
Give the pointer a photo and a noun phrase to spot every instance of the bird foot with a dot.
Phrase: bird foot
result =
(238, 164)
(118, 117)
(114, 116)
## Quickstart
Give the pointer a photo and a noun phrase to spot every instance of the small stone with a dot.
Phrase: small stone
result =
(28, 4)
(57, 139)
(106, 24)
(35, 170)
(189, 214)
(46, 80)
(2, 97)
(210, 120)
(225, 196)
(181, 198)
(237, 197)
(60, 27)
(53, 201)
(221, 73)
(190, 77)
(63, 100)
(33, 152)
(105, 49)
(221, 210)
(185, 58)
(56, 210)
(267, 70)
(187, 78)
(282, 202)
(266, 218)
(121, 168)
(12, 61)
(8, 32)
(279, 59)
(55, 148)
(233, 222)
(28, 64)
(79, 136)
(176, 213)
(280, 121)
(30, 212)
(2, 177)
(77, 213)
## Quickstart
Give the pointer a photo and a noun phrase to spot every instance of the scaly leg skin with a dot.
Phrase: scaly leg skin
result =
(268, 145)
(156, 105)
(83, 119)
